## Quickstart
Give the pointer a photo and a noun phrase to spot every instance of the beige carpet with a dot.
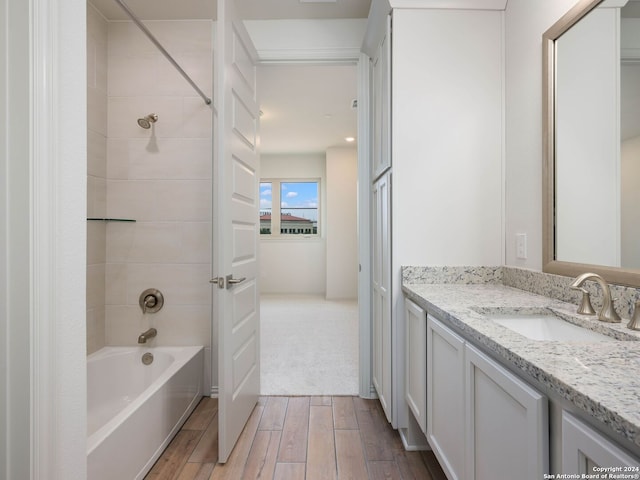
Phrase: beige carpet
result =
(309, 346)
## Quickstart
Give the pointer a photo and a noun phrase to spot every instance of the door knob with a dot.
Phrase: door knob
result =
(234, 281)
(218, 281)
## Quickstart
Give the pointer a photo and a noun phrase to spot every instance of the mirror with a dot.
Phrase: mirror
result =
(591, 168)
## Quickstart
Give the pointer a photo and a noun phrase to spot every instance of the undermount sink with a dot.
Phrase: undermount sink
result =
(547, 326)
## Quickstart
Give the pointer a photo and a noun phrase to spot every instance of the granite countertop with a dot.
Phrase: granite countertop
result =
(600, 378)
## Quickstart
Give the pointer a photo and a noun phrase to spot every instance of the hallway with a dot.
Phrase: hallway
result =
(309, 345)
(296, 438)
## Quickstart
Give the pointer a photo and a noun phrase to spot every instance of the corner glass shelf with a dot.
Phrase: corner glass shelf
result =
(110, 220)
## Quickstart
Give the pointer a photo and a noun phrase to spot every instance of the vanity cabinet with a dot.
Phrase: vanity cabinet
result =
(445, 397)
(483, 422)
(506, 422)
(583, 449)
(416, 366)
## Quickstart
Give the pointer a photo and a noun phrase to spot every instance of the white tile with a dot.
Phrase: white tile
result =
(169, 81)
(96, 243)
(97, 111)
(95, 286)
(174, 158)
(200, 69)
(180, 284)
(184, 200)
(198, 118)
(134, 200)
(120, 237)
(125, 38)
(123, 324)
(91, 62)
(183, 325)
(101, 67)
(196, 242)
(96, 197)
(125, 111)
(95, 329)
(177, 326)
(118, 158)
(96, 154)
(145, 243)
(115, 284)
(132, 76)
(96, 25)
(100, 198)
(183, 36)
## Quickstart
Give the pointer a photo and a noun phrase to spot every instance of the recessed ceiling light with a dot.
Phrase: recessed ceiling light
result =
(318, 1)
(350, 139)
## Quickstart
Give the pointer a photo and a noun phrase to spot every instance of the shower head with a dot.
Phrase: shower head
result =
(146, 121)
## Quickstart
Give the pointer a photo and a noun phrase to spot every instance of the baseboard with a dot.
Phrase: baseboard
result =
(409, 445)
(214, 391)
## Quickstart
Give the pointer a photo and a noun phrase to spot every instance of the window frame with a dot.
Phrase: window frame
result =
(276, 204)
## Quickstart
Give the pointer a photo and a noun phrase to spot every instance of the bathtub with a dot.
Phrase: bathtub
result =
(134, 410)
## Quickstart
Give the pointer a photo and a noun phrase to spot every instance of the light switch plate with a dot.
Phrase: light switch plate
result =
(521, 245)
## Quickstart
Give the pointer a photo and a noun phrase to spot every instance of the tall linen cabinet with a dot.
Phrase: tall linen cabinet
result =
(436, 158)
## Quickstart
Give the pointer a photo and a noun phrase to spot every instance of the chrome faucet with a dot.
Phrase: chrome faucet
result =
(144, 336)
(607, 313)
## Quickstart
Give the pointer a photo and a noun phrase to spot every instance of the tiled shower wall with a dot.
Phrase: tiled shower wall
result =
(96, 176)
(160, 177)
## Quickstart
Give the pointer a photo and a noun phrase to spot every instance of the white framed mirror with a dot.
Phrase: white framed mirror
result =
(591, 145)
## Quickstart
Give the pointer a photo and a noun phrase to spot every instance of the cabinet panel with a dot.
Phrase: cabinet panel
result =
(445, 397)
(381, 86)
(381, 292)
(583, 449)
(507, 422)
(416, 366)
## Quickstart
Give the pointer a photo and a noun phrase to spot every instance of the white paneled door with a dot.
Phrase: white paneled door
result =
(236, 227)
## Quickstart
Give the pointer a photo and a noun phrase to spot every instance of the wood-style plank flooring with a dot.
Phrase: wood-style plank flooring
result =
(291, 438)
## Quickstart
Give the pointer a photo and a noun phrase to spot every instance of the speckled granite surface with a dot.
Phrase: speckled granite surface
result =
(600, 378)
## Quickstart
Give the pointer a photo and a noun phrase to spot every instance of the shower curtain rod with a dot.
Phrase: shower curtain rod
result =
(155, 41)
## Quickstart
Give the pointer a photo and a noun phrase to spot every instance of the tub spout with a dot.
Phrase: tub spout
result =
(144, 336)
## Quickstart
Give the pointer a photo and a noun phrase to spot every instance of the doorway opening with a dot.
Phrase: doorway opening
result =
(309, 229)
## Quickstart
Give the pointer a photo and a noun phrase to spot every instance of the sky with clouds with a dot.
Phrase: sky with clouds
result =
(293, 196)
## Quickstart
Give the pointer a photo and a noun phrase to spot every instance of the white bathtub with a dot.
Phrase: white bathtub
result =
(134, 410)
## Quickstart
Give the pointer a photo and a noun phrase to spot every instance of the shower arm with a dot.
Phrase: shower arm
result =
(168, 56)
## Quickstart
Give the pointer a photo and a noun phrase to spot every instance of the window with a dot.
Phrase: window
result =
(289, 207)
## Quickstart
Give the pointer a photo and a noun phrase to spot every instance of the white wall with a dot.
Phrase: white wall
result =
(525, 22)
(161, 178)
(342, 223)
(293, 265)
(447, 138)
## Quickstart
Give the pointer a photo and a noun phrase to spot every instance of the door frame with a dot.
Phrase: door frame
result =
(361, 62)
(44, 229)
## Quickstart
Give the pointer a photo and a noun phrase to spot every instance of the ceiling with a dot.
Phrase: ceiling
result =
(248, 9)
(306, 108)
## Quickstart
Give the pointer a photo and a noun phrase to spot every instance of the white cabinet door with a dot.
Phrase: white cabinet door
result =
(416, 367)
(381, 292)
(445, 398)
(381, 86)
(584, 449)
(507, 423)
